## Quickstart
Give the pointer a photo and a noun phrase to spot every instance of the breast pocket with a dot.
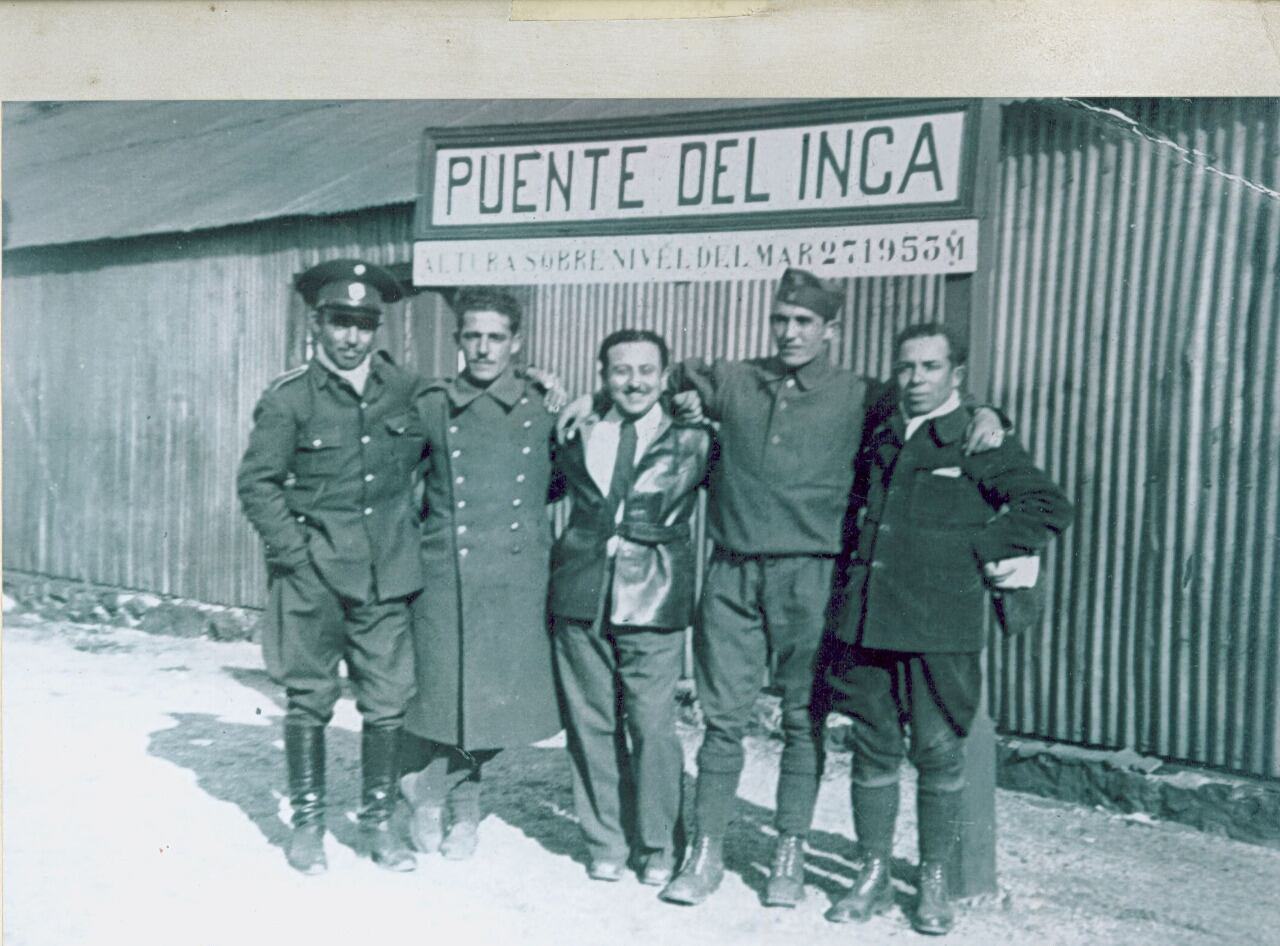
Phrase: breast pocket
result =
(317, 453)
(401, 436)
(946, 495)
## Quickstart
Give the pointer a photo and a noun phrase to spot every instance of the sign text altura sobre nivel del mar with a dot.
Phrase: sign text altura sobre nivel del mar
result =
(715, 195)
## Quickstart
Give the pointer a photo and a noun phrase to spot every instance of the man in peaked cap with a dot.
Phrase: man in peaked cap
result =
(326, 482)
(790, 426)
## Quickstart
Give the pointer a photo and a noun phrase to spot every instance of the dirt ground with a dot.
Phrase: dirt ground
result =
(142, 804)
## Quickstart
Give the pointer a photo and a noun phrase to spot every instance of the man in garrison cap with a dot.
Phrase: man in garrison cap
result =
(327, 483)
(790, 426)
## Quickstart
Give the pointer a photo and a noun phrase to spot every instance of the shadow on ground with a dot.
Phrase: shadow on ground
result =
(244, 764)
(528, 788)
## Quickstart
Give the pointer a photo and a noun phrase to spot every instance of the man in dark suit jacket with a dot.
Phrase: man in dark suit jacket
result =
(621, 594)
(934, 527)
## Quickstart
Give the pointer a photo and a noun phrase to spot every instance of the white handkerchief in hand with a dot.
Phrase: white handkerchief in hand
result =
(951, 472)
(1020, 572)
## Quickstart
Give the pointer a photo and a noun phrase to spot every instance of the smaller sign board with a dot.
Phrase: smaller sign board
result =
(892, 249)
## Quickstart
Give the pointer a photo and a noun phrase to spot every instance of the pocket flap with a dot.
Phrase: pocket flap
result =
(399, 423)
(319, 439)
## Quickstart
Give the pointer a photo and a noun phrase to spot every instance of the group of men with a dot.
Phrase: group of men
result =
(857, 530)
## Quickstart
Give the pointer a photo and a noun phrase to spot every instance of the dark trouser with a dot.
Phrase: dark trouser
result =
(936, 695)
(751, 606)
(619, 683)
(310, 628)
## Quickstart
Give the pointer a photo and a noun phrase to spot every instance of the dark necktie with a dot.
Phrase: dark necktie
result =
(623, 465)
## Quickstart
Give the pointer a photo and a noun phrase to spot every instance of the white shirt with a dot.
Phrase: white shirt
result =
(915, 423)
(601, 446)
(356, 377)
(1019, 572)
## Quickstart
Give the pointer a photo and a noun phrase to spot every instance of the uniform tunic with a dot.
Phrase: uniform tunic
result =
(787, 440)
(480, 628)
(326, 475)
(326, 482)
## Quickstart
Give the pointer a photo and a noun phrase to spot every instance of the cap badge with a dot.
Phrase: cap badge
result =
(359, 269)
(356, 291)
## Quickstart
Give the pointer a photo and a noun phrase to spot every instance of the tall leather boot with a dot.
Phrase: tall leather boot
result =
(380, 767)
(463, 810)
(304, 759)
(938, 814)
(701, 873)
(875, 812)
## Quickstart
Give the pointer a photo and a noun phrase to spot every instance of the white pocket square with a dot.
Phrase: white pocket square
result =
(949, 471)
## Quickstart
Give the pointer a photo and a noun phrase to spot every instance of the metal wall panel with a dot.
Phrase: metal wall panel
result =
(713, 320)
(1134, 340)
(1136, 344)
(130, 374)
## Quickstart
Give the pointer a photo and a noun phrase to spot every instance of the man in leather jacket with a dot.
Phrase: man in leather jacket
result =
(622, 592)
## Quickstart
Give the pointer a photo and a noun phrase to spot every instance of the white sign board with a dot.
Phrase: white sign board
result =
(876, 163)
(898, 249)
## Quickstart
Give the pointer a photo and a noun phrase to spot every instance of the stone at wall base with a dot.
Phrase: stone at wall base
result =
(1122, 781)
(1245, 809)
(58, 599)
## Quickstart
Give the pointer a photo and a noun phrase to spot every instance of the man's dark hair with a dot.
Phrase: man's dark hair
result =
(486, 299)
(624, 335)
(957, 347)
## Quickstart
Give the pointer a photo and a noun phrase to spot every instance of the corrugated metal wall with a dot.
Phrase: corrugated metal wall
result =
(130, 374)
(1136, 343)
(713, 320)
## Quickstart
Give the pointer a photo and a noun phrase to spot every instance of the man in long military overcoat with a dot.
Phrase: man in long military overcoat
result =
(483, 649)
(326, 481)
(936, 527)
(622, 593)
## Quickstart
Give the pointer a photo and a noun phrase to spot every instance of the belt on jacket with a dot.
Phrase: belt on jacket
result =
(649, 533)
(645, 533)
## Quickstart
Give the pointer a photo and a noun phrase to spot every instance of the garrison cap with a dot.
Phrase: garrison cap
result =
(348, 284)
(800, 287)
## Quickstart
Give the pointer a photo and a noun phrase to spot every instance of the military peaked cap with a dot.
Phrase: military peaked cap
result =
(802, 288)
(348, 284)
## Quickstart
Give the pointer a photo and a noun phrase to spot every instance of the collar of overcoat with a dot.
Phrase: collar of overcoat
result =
(506, 389)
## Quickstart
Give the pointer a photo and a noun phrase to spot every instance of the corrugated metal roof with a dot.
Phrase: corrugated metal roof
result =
(78, 171)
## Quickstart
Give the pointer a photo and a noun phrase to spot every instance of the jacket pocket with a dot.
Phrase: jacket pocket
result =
(402, 437)
(317, 452)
